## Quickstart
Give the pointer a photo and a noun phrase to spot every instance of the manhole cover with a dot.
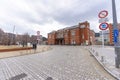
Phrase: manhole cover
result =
(18, 77)
(49, 78)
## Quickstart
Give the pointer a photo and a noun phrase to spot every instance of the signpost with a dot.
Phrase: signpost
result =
(102, 20)
(116, 35)
(38, 37)
(103, 26)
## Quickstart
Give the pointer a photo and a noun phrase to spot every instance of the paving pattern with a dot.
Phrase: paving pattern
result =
(60, 63)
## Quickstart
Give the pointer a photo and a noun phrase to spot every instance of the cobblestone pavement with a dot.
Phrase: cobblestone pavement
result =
(60, 63)
(106, 57)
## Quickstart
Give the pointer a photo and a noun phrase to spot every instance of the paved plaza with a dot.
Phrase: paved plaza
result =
(60, 63)
(106, 56)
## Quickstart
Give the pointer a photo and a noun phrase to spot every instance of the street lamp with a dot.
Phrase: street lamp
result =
(13, 37)
(116, 35)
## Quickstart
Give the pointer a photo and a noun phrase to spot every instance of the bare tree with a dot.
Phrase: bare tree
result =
(33, 39)
(5, 39)
(1, 35)
(25, 39)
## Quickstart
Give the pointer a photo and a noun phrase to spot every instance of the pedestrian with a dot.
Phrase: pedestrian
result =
(34, 47)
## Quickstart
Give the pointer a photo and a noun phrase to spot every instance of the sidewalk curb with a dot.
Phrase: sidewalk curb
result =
(105, 68)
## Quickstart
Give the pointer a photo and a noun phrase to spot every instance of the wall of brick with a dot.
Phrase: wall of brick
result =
(84, 33)
(67, 37)
(111, 34)
(79, 34)
(92, 37)
(51, 38)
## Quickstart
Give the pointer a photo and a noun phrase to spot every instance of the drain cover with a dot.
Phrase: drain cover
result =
(49, 78)
(18, 77)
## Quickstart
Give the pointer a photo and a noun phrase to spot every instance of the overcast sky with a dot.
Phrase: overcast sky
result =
(48, 15)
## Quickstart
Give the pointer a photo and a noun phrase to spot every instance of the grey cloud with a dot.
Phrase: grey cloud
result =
(63, 16)
(19, 28)
(53, 11)
(73, 16)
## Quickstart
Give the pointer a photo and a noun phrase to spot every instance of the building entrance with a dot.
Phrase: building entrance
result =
(60, 42)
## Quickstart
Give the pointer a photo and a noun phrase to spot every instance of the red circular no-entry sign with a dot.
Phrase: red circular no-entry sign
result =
(103, 14)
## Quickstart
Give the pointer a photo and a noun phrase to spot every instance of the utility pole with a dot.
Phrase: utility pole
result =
(13, 37)
(116, 35)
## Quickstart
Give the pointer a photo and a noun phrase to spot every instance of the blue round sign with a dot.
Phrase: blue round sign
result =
(103, 26)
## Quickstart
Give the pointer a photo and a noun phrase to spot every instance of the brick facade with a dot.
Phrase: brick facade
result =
(92, 37)
(51, 38)
(78, 35)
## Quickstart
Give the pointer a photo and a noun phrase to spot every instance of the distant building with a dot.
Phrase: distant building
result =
(19, 39)
(75, 35)
(23, 39)
(97, 34)
(97, 38)
(39, 38)
(1, 35)
(106, 36)
(92, 37)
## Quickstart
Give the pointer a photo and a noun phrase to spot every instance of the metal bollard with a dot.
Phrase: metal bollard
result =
(102, 58)
(96, 54)
(93, 50)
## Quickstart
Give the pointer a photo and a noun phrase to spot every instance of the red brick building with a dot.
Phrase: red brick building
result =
(92, 37)
(79, 35)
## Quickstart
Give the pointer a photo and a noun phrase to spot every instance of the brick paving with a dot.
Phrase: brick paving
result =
(60, 63)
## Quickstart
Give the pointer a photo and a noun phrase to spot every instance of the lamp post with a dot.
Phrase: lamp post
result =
(13, 37)
(116, 35)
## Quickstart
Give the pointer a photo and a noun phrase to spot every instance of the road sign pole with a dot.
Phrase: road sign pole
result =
(116, 44)
(103, 26)
(102, 39)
